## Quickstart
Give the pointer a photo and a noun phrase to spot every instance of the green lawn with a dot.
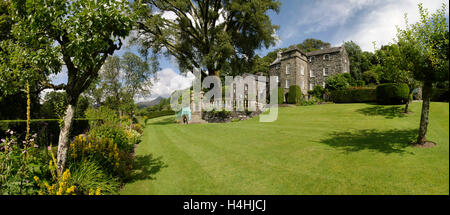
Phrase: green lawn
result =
(321, 149)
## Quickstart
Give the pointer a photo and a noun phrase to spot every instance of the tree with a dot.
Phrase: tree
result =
(311, 44)
(211, 35)
(396, 69)
(137, 74)
(337, 82)
(360, 61)
(82, 33)
(424, 45)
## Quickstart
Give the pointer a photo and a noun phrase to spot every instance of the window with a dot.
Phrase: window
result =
(326, 57)
(287, 84)
(302, 84)
(288, 67)
(323, 84)
(325, 71)
(278, 81)
(311, 59)
(302, 70)
(311, 74)
(311, 86)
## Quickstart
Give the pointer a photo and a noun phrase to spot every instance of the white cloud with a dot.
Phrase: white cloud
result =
(379, 25)
(167, 82)
(363, 21)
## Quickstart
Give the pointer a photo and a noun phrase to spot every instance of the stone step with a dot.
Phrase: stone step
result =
(196, 118)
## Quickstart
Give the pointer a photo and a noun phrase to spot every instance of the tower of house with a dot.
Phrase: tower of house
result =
(295, 67)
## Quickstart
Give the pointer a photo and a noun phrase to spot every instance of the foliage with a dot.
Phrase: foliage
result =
(48, 129)
(360, 61)
(311, 44)
(295, 95)
(371, 76)
(88, 176)
(424, 46)
(115, 133)
(440, 95)
(353, 95)
(210, 35)
(280, 95)
(392, 93)
(337, 82)
(317, 92)
(19, 164)
(55, 103)
(105, 114)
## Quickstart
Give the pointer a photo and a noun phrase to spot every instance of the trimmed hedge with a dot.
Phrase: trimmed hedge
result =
(392, 93)
(160, 113)
(294, 95)
(280, 95)
(354, 95)
(440, 95)
(47, 129)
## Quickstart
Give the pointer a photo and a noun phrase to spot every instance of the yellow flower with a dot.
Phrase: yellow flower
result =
(36, 179)
(98, 191)
(91, 192)
(70, 189)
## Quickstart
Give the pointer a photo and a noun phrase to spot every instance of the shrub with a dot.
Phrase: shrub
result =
(48, 129)
(295, 95)
(317, 92)
(115, 133)
(103, 151)
(155, 114)
(392, 93)
(354, 95)
(280, 95)
(440, 95)
(337, 82)
(88, 176)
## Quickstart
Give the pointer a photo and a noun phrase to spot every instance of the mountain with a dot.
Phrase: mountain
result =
(150, 103)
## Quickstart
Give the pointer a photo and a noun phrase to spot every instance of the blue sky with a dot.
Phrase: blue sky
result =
(333, 21)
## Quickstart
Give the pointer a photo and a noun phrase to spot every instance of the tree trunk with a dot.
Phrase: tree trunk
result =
(63, 143)
(426, 96)
(408, 101)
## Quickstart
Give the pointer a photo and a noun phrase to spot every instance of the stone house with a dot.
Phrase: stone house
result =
(295, 67)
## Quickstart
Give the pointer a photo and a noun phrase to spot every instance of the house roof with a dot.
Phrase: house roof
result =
(324, 51)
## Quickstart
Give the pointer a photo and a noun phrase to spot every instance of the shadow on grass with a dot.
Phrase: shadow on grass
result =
(146, 167)
(391, 141)
(389, 112)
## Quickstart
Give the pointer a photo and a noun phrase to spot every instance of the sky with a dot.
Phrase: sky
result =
(333, 21)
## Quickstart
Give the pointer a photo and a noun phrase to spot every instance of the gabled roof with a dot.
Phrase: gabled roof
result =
(325, 51)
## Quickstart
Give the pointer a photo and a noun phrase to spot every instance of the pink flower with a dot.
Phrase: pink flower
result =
(49, 148)
(36, 146)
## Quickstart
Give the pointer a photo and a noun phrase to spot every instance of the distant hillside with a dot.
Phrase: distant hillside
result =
(150, 103)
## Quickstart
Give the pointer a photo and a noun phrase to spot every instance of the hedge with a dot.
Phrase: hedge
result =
(294, 95)
(440, 95)
(155, 114)
(280, 95)
(47, 129)
(354, 95)
(392, 93)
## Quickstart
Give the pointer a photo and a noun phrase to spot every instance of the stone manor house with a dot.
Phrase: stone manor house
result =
(295, 67)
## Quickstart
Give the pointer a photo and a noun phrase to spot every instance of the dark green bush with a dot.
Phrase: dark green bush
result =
(354, 95)
(295, 95)
(392, 93)
(47, 129)
(317, 92)
(440, 95)
(155, 114)
(115, 133)
(280, 95)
